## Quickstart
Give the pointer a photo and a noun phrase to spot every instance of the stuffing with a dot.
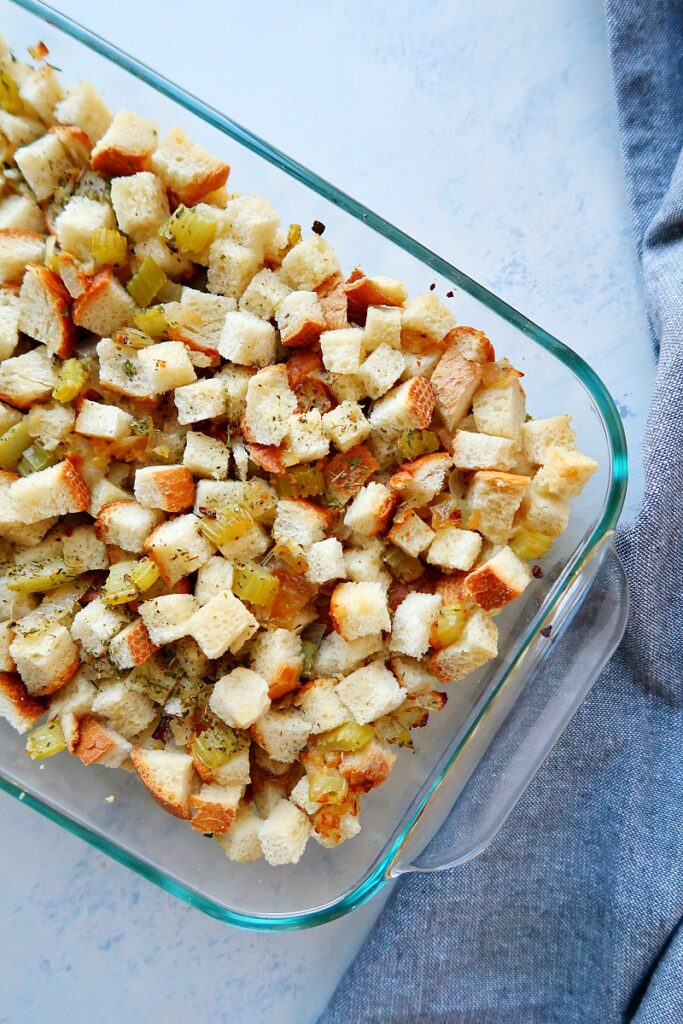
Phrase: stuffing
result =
(337, 656)
(564, 473)
(251, 545)
(126, 145)
(453, 548)
(21, 213)
(239, 698)
(206, 399)
(6, 636)
(178, 547)
(18, 130)
(167, 617)
(370, 511)
(538, 435)
(222, 624)
(215, 808)
(412, 624)
(44, 311)
(82, 105)
(131, 646)
(168, 776)
(124, 709)
(95, 625)
(231, 268)
(325, 561)
(300, 521)
(409, 406)
(359, 609)
(320, 704)
(477, 644)
(368, 767)
(105, 421)
(500, 411)
(206, 456)
(498, 581)
(50, 492)
(8, 416)
(97, 744)
(17, 705)
(269, 405)
(381, 370)
(301, 797)
(77, 223)
(493, 499)
(126, 524)
(175, 266)
(140, 204)
(410, 533)
(309, 264)
(170, 488)
(370, 692)
(241, 842)
(185, 167)
(454, 380)
(104, 308)
(362, 291)
(277, 656)
(483, 451)
(306, 440)
(346, 425)
(281, 733)
(284, 834)
(425, 321)
(213, 578)
(45, 660)
(247, 340)
(300, 319)
(382, 328)
(332, 827)
(264, 294)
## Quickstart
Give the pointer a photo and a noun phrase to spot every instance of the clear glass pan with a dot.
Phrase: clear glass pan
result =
(444, 803)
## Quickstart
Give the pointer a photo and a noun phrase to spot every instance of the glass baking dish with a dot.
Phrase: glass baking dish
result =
(442, 805)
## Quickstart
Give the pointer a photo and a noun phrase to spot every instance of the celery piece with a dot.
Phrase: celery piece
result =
(293, 555)
(186, 231)
(448, 626)
(216, 745)
(254, 584)
(10, 100)
(13, 444)
(326, 785)
(45, 741)
(413, 443)
(118, 587)
(231, 523)
(528, 544)
(144, 575)
(349, 736)
(402, 566)
(152, 321)
(294, 235)
(37, 577)
(34, 459)
(147, 280)
(390, 730)
(71, 380)
(109, 246)
(300, 482)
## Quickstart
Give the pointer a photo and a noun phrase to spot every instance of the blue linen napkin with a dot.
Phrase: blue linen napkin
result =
(574, 915)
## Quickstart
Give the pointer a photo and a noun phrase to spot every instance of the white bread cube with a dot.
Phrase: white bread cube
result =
(409, 406)
(499, 580)
(178, 548)
(96, 624)
(544, 512)
(251, 545)
(300, 521)
(359, 609)
(337, 656)
(281, 733)
(104, 308)
(51, 424)
(167, 617)
(41, 90)
(321, 706)
(132, 646)
(84, 551)
(300, 319)
(277, 656)
(425, 321)
(126, 524)
(241, 842)
(21, 213)
(412, 623)
(455, 381)
(564, 473)
(18, 249)
(121, 371)
(222, 624)
(8, 417)
(95, 743)
(363, 291)
(186, 168)
(345, 826)
(325, 561)
(370, 692)
(125, 710)
(247, 340)
(346, 425)
(83, 106)
(342, 350)
(170, 488)
(483, 451)
(410, 533)
(301, 797)
(270, 403)
(381, 370)
(206, 399)
(306, 439)
(453, 548)
(206, 456)
(77, 223)
(175, 266)
(539, 435)
(140, 204)
(477, 644)
(382, 327)
(213, 578)
(45, 164)
(346, 387)
(168, 776)
(215, 808)
(414, 676)
(370, 510)
(18, 130)
(9, 330)
(309, 263)
(168, 366)
(234, 771)
(472, 344)
(239, 698)
(236, 380)
(500, 411)
(367, 563)
(55, 491)
(126, 146)
(44, 310)
(263, 294)
(17, 706)
(369, 767)
(45, 660)
(106, 421)
(203, 316)
(231, 267)
(103, 492)
(284, 834)
(251, 221)
(493, 499)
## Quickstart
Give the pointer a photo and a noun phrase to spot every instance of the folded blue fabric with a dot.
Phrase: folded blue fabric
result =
(573, 915)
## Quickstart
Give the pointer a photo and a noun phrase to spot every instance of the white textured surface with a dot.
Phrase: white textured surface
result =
(486, 131)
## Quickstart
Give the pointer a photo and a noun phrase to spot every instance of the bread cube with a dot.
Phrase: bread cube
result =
(370, 692)
(83, 106)
(215, 808)
(251, 221)
(206, 399)
(231, 267)
(381, 370)
(125, 710)
(269, 405)
(369, 767)
(309, 263)
(564, 473)
(8, 417)
(167, 617)
(83, 551)
(178, 548)
(342, 350)
(337, 656)
(51, 424)
(410, 533)
(21, 213)
(363, 291)
(222, 624)
(301, 797)
(126, 524)
(500, 411)
(425, 321)
(477, 644)
(121, 370)
(186, 168)
(46, 659)
(18, 130)
(140, 204)
(263, 294)
(175, 266)
(126, 146)
(284, 834)
(382, 328)
(483, 451)
(248, 547)
(335, 828)
(206, 456)
(96, 624)
(544, 512)
(247, 340)
(106, 421)
(77, 223)
(345, 387)
(168, 776)
(44, 311)
(412, 624)
(96, 743)
(213, 578)
(104, 492)
(9, 330)
(55, 491)
(170, 488)
(455, 381)
(346, 425)
(234, 771)
(370, 511)
(359, 609)
(300, 319)
(17, 706)
(326, 561)
(104, 308)
(493, 499)
(367, 563)
(201, 318)
(306, 439)
(498, 581)
(277, 656)
(239, 698)
(45, 164)
(409, 406)
(281, 733)
(413, 675)
(421, 480)
(236, 380)
(18, 249)
(539, 435)
(300, 521)
(333, 301)
(241, 842)
(131, 646)
(453, 548)
(6, 636)
(168, 366)
(320, 704)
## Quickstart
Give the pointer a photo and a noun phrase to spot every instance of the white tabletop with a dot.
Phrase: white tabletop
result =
(487, 131)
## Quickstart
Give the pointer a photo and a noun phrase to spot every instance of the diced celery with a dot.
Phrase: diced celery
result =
(260, 501)
(231, 523)
(13, 444)
(528, 544)
(34, 459)
(255, 584)
(216, 745)
(402, 566)
(152, 321)
(446, 512)
(109, 246)
(448, 626)
(413, 443)
(291, 554)
(326, 785)
(137, 338)
(118, 586)
(146, 282)
(10, 100)
(300, 482)
(45, 741)
(310, 650)
(349, 736)
(144, 575)
(390, 730)
(186, 231)
(71, 380)
(293, 235)
(38, 577)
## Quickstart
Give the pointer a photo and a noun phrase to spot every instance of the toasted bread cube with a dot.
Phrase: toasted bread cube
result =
(382, 328)
(126, 524)
(121, 370)
(215, 808)
(326, 561)
(309, 263)
(306, 439)
(409, 406)
(168, 365)
(320, 703)
(231, 267)
(83, 106)
(51, 424)
(222, 624)
(539, 435)
(178, 548)
(104, 307)
(346, 387)
(359, 609)
(263, 294)
(277, 656)
(269, 405)
(233, 772)
(300, 521)
(346, 425)
(381, 370)
(474, 345)
(9, 330)
(104, 492)
(239, 698)
(175, 266)
(126, 710)
(335, 828)
(140, 204)
(455, 380)
(6, 635)
(206, 456)
(500, 411)
(564, 472)
(251, 221)
(170, 488)
(44, 311)
(453, 548)
(21, 213)
(131, 646)
(126, 146)
(206, 399)
(50, 492)
(425, 321)
(483, 451)
(203, 316)
(45, 164)
(342, 350)
(168, 776)
(106, 421)
(333, 301)
(284, 834)
(167, 617)
(367, 563)
(477, 644)
(8, 417)
(281, 733)
(300, 319)
(544, 512)
(248, 547)
(413, 675)
(300, 796)
(498, 581)
(45, 660)
(410, 533)
(241, 842)
(96, 624)
(84, 551)
(413, 620)
(186, 168)
(337, 656)
(18, 249)
(370, 511)
(95, 743)
(370, 692)
(18, 130)
(77, 223)
(493, 499)
(363, 291)
(369, 767)
(236, 380)
(17, 705)
(247, 340)
(213, 578)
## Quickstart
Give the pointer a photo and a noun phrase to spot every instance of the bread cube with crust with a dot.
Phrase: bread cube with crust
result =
(9, 330)
(346, 425)
(51, 424)
(493, 499)
(170, 488)
(381, 370)
(342, 350)
(6, 636)
(18, 130)
(206, 399)
(300, 319)
(359, 609)
(270, 403)
(21, 213)
(453, 548)
(320, 704)
(103, 492)
(382, 328)
(17, 706)
(45, 164)
(186, 168)
(544, 512)
(241, 842)
(472, 450)
(121, 370)
(412, 623)
(306, 439)
(126, 146)
(277, 656)
(473, 345)
(409, 406)
(206, 456)
(96, 624)
(539, 435)
(18, 249)
(477, 644)
(370, 692)
(222, 624)
(45, 311)
(333, 301)
(77, 223)
(96, 743)
(284, 834)
(247, 340)
(202, 316)
(239, 698)
(126, 710)
(301, 797)
(167, 365)
(55, 491)
(213, 578)
(83, 551)
(425, 321)
(309, 264)
(126, 524)
(370, 510)
(215, 808)
(368, 767)
(83, 106)
(281, 733)
(263, 294)
(236, 380)
(178, 548)
(326, 561)
(46, 659)
(140, 204)
(337, 656)
(41, 90)
(168, 776)
(499, 580)
(410, 533)
(564, 473)
(345, 387)
(104, 308)
(251, 221)
(106, 421)
(231, 267)
(363, 291)
(8, 417)
(455, 381)
(131, 646)
(300, 521)
(500, 411)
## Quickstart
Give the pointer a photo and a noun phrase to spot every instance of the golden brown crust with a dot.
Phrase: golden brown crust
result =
(333, 301)
(75, 141)
(410, 471)
(284, 681)
(304, 334)
(367, 769)
(488, 589)
(268, 457)
(473, 340)
(96, 287)
(78, 489)
(94, 742)
(172, 806)
(27, 706)
(55, 294)
(199, 189)
(176, 486)
(368, 291)
(211, 816)
(455, 379)
(139, 644)
(45, 689)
